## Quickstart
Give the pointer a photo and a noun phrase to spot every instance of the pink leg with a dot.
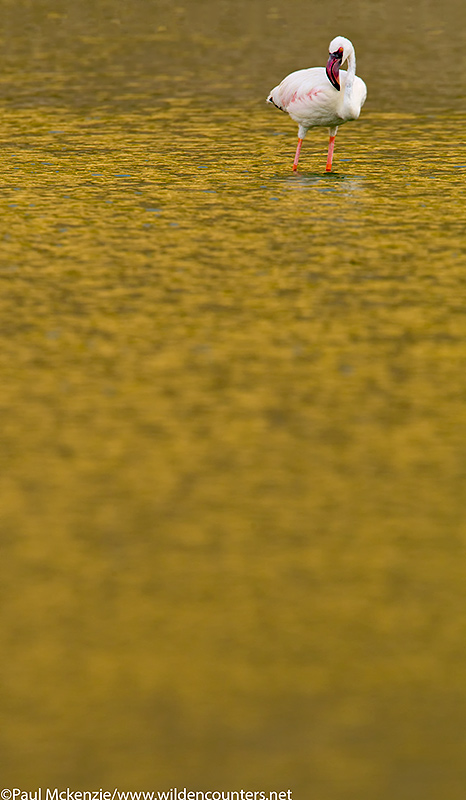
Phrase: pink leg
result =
(296, 158)
(331, 145)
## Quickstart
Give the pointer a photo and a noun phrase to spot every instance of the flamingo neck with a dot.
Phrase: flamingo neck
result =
(350, 75)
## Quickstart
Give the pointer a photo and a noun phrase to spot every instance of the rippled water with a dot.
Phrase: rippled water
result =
(233, 425)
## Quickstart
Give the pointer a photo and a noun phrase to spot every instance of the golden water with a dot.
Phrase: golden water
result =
(233, 424)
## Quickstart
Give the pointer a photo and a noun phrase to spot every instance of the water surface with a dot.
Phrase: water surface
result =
(233, 425)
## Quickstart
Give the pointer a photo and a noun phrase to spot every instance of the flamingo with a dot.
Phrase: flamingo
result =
(312, 97)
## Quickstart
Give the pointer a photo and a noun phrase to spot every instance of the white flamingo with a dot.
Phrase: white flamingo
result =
(312, 97)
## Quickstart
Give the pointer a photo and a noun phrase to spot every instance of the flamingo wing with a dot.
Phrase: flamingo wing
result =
(308, 97)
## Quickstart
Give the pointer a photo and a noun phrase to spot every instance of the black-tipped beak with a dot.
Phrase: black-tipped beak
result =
(333, 68)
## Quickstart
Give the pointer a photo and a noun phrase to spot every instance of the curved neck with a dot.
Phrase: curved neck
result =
(350, 73)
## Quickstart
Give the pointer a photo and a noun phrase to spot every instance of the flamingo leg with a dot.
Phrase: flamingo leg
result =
(296, 158)
(331, 145)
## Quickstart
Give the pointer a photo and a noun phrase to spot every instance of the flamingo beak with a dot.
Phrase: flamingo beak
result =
(333, 68)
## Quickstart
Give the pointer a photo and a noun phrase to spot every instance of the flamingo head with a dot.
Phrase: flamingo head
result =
(339, 50)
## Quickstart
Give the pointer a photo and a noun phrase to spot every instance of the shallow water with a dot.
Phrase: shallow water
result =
(233, 424)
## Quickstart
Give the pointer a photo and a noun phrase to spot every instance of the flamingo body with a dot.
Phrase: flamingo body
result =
(322, 96)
